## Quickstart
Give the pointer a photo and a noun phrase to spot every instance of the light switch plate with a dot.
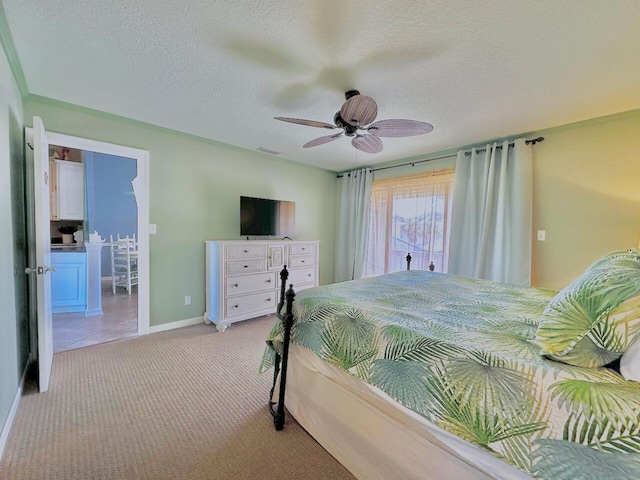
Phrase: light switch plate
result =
(153, 229)
(542, 235)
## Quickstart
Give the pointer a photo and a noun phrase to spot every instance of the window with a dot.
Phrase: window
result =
(409, 214)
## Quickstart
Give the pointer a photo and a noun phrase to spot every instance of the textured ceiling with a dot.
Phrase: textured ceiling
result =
(222, 70)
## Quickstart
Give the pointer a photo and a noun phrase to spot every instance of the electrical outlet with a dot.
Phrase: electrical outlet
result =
(153, 229)
(542, 235)
(187, 300)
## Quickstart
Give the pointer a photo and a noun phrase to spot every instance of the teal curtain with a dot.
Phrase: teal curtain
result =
(353, 221)
(491, 215)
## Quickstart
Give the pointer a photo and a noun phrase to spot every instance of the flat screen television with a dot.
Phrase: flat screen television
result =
(262, 217)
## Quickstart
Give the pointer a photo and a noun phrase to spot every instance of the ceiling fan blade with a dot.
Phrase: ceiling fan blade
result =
(309, 123)
(367, 143)
(399, 128)
(322, 140)
(359, 110)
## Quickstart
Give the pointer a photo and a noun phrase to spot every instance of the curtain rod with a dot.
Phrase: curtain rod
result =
(408, 163)
(533, 141)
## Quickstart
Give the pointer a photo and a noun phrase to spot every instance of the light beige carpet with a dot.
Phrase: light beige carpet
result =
(181, 404)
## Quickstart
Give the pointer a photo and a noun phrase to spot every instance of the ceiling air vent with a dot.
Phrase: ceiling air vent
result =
(266, 150)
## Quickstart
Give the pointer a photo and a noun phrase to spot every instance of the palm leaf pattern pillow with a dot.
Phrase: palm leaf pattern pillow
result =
(595, 319)
(462, 353)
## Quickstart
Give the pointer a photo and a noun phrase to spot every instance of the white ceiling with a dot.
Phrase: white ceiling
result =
(222, 70)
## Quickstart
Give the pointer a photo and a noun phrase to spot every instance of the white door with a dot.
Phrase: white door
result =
(43, 251)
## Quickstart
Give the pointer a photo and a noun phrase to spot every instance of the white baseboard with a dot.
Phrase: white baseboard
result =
(179, 324)
(4, 436)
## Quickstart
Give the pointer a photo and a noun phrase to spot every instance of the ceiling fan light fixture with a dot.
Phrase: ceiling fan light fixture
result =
(357, 112)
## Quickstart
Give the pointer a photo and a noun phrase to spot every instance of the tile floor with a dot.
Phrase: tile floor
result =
(120, 320)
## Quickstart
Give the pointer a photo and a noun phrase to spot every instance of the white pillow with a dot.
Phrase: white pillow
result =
(630, 362)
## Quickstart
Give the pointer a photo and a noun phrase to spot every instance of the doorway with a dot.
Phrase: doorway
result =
(138, 305)
(93, 192)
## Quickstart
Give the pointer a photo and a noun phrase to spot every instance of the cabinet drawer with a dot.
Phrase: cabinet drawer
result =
(251, 303)
(302, 275)
(236, 267)
(302, 261)
(250, 283)
(244, 251)
(302, 248)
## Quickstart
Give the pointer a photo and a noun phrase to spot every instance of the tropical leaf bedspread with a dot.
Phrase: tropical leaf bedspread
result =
(461, 352)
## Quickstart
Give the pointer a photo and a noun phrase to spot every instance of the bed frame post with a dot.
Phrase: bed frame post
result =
(284, 274)
(282, 360)
(432, 267)
(287, 321)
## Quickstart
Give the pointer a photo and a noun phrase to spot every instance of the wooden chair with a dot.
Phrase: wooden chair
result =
(124, 262)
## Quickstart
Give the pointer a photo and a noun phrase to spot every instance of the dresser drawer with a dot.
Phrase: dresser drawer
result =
(235, 267)
(250, 283)
(251, 303)
(302, 275)
(302, 248)
(302, 261)
(244, 251)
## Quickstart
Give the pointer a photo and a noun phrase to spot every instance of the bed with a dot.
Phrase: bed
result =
(418, 375)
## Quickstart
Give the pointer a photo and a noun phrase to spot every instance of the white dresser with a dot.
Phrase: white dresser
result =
(243, 277)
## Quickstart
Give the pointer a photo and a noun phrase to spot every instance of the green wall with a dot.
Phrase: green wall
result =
(13, 327)
(586, 195)
(195, 196)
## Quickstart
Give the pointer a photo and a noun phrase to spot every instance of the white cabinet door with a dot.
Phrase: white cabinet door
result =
(275, 257)
(70, 190)
(53, 190)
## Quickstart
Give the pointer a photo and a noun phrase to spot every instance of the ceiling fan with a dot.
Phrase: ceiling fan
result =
(354, 116)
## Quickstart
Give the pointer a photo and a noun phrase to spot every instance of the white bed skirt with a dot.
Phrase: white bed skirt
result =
(375, 437)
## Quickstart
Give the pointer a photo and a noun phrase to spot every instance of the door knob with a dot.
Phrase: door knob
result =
(40, 270)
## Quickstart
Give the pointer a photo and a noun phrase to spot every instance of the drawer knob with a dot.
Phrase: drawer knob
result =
(268, 280)
(268, 299)
(246, 251)
(235, 285)
(301, 261)
(308, 274)
(235, 306)
(246, 266)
